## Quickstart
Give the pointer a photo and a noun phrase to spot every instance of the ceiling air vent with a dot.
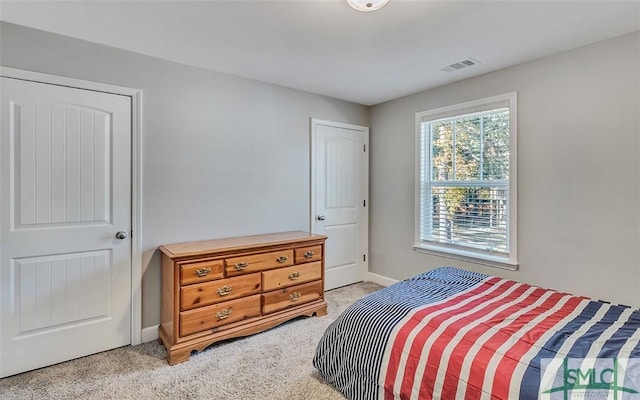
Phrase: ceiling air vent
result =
(460, 64)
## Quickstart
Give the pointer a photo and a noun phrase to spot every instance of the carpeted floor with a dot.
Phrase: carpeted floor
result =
(273, 365)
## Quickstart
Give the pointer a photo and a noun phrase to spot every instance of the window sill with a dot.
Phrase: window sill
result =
(468, 256)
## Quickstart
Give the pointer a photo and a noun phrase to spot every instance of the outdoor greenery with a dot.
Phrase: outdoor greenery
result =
(473, 147)
(469, 179)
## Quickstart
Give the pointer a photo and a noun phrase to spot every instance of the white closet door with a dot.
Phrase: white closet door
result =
(340, 183)
(65, 193)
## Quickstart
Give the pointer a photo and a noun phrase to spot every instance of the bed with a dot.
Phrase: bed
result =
(455, 334)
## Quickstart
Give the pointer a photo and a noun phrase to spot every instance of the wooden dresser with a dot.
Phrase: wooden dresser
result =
(219, 289)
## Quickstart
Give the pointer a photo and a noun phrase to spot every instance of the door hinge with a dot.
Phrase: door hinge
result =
(365, 148)
(364, 203)
(364, 257)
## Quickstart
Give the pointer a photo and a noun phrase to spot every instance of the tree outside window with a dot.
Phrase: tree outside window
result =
(464, 174)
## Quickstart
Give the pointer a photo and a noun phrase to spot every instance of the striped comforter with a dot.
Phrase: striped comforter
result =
(455, 334)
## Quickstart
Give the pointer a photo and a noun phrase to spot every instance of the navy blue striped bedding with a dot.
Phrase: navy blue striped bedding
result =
(451, 333)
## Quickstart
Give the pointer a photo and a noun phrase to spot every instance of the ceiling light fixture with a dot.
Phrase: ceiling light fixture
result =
(367, 5)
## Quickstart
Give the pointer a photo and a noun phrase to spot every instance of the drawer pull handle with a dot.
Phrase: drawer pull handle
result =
(225, 290)
(294, 296)
(282, 259)
(204, 271)
(309, 254)
(240, 266)
(225, 313)
(294, 275)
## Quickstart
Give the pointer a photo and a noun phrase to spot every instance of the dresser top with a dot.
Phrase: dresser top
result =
(214, 246)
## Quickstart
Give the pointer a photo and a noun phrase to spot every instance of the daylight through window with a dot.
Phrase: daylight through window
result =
(465, 203)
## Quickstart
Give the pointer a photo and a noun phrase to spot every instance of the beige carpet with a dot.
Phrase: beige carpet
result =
(273, 365)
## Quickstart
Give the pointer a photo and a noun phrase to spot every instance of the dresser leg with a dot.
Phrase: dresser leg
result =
(178, 356)
(322, 311)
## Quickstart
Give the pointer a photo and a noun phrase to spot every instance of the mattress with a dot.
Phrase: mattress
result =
(455, 334)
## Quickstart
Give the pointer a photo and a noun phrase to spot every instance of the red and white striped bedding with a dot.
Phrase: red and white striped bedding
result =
(454, 334)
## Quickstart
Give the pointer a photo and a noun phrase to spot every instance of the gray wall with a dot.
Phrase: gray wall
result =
(222, 156)
(578, 171)
(225, 156)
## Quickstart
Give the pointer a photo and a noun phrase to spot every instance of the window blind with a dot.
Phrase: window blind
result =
(464, 175)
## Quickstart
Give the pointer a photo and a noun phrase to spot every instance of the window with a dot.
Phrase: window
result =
(465, 181)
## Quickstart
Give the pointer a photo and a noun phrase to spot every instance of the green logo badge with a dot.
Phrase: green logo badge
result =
(592, 378)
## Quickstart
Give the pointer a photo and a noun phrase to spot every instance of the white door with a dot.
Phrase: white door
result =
(65, 193)
(339, 195)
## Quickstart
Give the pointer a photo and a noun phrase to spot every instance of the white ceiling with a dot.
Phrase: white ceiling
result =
(325, 47)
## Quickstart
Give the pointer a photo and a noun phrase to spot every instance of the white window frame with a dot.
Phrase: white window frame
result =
(468, 254)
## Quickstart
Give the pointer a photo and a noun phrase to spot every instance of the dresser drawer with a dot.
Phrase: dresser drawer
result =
(291, 297)
(210, 317)
(289, 276)
(203, 294)
(308, 254)
(201, 271)
(258, 262)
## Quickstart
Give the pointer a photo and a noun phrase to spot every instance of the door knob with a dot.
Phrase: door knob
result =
(320, 217)
(121, 235)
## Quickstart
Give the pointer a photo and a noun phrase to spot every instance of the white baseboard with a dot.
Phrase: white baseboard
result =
(150, 333)
(380, 280)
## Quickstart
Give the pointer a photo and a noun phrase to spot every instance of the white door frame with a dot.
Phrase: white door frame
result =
(365, 176)
(136, 182)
